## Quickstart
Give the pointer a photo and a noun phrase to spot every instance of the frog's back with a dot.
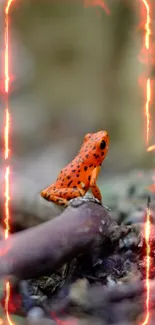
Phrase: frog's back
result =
(91, 155)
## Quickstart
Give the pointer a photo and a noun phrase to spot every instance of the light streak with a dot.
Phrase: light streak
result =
(6, 143)
(147, 47)
(97, 3)
(7, 303)
(7, 118)
(7, 198)
(147, 109)
(147, 241)
(151, 148)
(147, 25)
(148, 90)
(6, 133)
(7, 78)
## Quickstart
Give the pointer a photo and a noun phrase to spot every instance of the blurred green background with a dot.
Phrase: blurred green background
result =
(75, 69)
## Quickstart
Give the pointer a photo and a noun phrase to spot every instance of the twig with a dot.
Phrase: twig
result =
(44, 248)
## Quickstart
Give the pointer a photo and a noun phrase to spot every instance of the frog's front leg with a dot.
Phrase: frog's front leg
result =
(95, 190)
(62, 196)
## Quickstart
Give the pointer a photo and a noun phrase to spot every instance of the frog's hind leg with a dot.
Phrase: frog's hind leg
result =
(61, 196)
(47, 192)
(50, 194)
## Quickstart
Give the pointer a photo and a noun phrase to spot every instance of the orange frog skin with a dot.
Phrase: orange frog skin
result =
(81, 174)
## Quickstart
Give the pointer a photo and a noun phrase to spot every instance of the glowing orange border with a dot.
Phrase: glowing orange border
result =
(147, 48)
(147, 51)
(7, 133)
(6, 143)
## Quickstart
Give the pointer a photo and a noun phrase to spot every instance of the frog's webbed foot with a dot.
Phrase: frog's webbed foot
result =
(89, 198)
(81, 200)
(86, 199)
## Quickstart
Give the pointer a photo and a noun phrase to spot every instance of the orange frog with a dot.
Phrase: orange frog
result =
(81, 174)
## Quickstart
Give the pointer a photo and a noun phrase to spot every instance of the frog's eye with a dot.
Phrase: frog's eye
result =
(103, 144)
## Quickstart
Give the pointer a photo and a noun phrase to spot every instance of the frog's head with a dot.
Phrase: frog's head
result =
(101, 139)
(96, 146)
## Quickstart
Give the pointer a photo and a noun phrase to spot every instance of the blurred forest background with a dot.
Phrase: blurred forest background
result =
(74, 69)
